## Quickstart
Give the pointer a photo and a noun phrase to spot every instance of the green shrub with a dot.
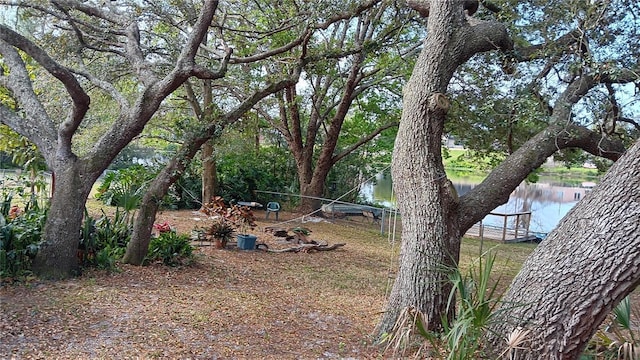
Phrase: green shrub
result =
(171, 248)
(116, 231)
(104, 240)
(19, 240)
(5, 204)
(107, 257)
(125, 187)
(619, 336)
(239, 176)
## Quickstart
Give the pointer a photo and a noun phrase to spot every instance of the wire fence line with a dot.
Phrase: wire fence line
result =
(385, 213)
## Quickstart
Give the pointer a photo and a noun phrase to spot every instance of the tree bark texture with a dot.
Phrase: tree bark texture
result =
(209, 173)
(433, 217)
(57, 255)
(577, 275)
(138, 246)
(426, 199)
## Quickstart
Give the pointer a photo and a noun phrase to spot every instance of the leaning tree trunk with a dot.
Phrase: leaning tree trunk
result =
(579, 272)
(138, 246)
(57, 255)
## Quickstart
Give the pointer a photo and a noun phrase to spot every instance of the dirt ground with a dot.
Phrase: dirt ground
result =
(230, 304)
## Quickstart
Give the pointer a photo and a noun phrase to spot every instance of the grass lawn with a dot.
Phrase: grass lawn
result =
(457, 165)
(229, 304)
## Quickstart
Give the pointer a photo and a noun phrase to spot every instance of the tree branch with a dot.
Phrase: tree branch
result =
(128, 126)
(348, 14)
(18, 82)
(363, 141)
(267, 54)
(634, 123)
(481, 36)
(259, 95)
(561, 133)
(541, 51)
(77, 94)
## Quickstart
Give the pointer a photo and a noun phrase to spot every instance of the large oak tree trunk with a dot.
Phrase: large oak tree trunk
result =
(434, 218)
(310, 194)
(426, 198)
(578, 274)
(314, 190)
(424, 194)
(57, 255)
(75, 176)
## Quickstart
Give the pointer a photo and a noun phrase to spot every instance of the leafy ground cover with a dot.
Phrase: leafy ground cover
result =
(229, 304)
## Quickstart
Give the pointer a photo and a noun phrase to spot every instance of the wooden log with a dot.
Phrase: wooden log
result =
(303, 248)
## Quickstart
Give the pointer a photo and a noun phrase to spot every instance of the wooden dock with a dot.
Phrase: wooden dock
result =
(501, 234)
(518, 233)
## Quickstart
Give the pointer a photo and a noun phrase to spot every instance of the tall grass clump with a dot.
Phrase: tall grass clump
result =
(475, 299)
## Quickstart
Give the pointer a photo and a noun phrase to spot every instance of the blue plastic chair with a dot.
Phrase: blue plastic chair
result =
(273, 207)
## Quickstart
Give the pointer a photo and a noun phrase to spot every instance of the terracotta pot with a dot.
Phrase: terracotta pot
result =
(219, 243)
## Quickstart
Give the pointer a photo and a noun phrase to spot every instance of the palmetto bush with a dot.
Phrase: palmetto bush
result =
(619, 338)
(475, 299)
(124, 188)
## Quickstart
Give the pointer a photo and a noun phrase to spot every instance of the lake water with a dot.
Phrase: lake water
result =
(547, 200)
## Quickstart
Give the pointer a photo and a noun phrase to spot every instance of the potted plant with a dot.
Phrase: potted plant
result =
(240, 218)
(244, 219)
(220, 232)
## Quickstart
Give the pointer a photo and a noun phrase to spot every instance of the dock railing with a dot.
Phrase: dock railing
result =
(519, 232)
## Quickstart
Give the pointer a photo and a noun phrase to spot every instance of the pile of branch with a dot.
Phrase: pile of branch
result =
(306, 248)
(300, 234)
